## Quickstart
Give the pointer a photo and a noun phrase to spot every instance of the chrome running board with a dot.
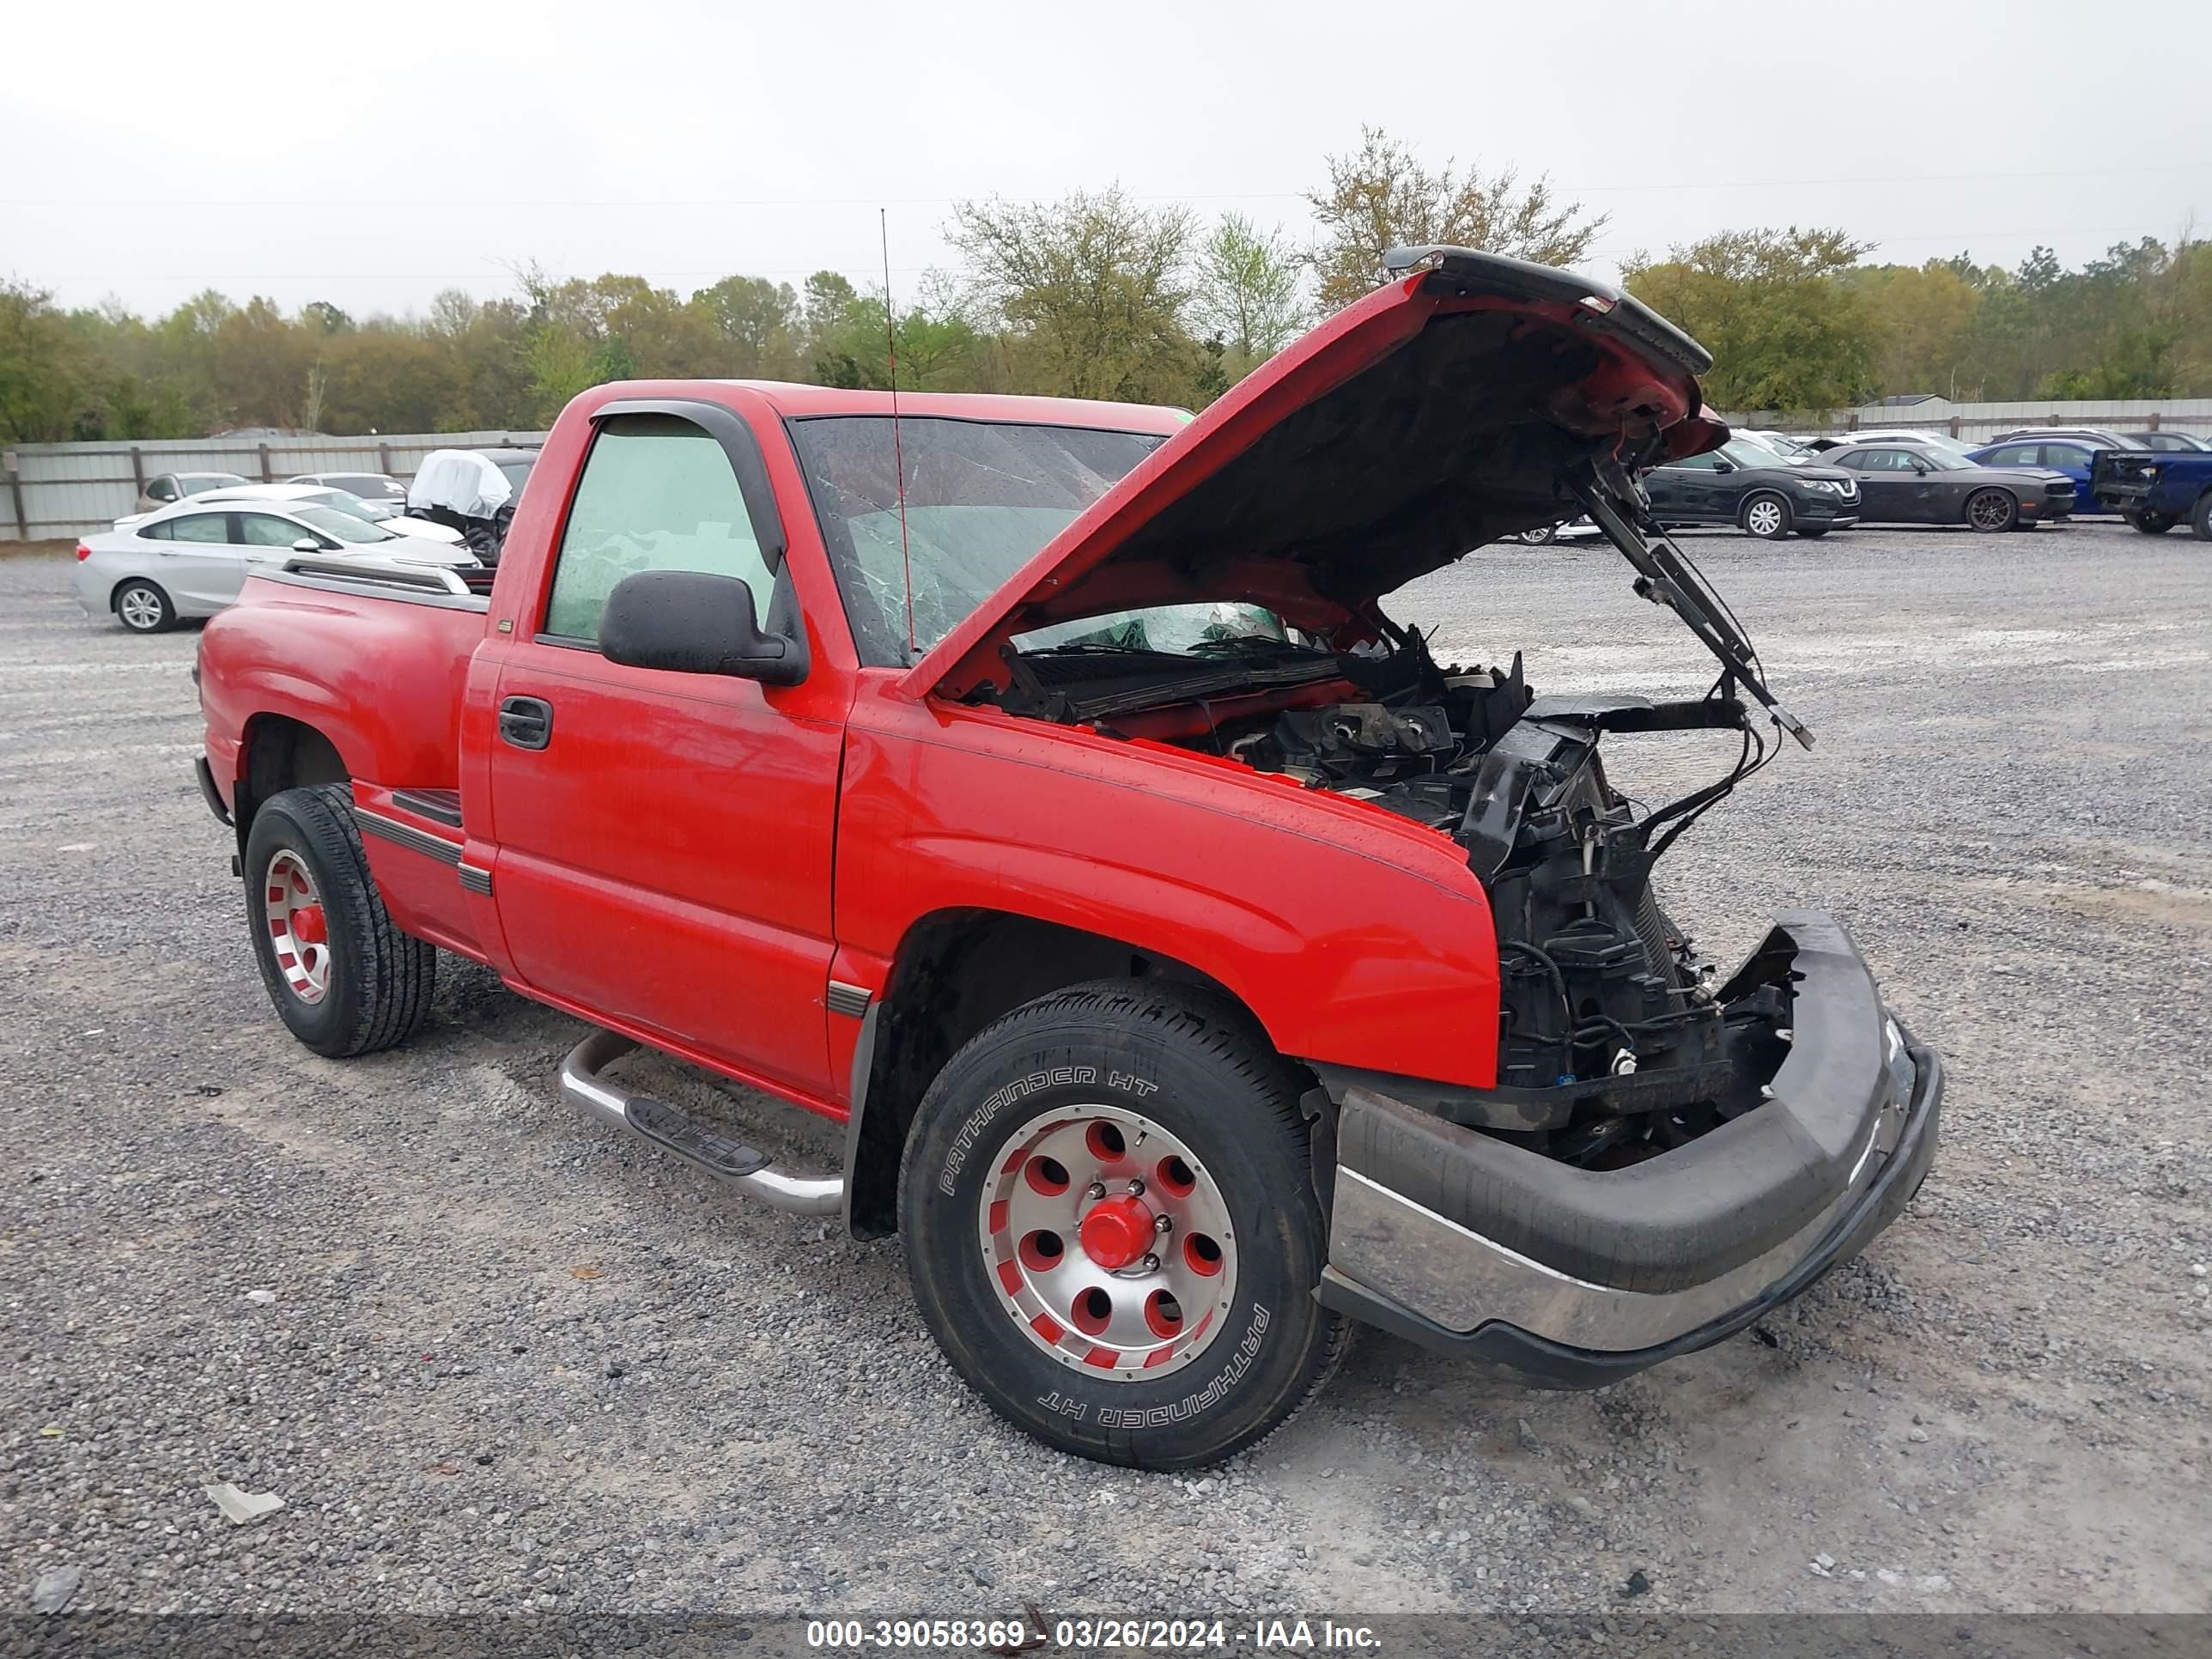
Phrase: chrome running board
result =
(728, 1160)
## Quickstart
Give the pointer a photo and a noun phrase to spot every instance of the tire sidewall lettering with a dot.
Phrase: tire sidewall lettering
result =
(1056, 1077)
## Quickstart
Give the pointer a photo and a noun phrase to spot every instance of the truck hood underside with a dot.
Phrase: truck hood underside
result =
(1436, 415)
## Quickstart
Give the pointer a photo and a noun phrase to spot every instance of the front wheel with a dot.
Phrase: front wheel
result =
(1541, 536)
(2151, 524)
(1766, 517)
(2200, 521)
(1112, 1228)
(1990, 510)
(143, 608)
(1814, 535)
(345, 979)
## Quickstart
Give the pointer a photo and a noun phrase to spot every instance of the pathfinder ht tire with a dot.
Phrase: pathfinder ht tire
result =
(344, 978)
(1767, 517)
(1991, 510)
(143, 608)
(1111, 1226)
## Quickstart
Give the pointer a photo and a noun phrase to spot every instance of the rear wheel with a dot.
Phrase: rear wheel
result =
(1991, 510)
(143, 608)
(1112, 1230)
(1813, 534)
(345, 979)
(1767, 517)
(2151, 524)
(1539, 536)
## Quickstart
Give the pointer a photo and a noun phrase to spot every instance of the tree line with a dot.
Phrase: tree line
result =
(1101, 295)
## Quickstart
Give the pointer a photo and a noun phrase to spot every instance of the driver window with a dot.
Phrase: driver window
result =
(1709, 462)
(657, 494)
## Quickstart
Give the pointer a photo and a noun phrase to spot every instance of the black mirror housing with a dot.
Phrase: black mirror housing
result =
(687, 621)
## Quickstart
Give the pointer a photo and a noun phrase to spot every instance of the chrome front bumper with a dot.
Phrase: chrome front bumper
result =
(1871, 1121)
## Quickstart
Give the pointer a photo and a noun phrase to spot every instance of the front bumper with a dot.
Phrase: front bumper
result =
(1575, 1279)
(1832, 511)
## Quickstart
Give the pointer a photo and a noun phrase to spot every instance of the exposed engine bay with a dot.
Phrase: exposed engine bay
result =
(1613, 1042)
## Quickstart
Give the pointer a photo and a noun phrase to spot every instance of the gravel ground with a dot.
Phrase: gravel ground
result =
(491, 1356)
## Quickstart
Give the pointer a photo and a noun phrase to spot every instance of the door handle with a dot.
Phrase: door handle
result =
(525, 722)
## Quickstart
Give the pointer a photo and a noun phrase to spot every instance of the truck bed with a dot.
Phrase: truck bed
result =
(389, 652)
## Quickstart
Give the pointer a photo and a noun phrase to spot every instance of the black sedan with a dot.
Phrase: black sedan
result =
(1902, 485)
(1741, 483)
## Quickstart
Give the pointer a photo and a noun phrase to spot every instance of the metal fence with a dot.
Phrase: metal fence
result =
(69, 489)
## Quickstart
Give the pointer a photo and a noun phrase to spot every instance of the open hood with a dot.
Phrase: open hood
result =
(1454, 405)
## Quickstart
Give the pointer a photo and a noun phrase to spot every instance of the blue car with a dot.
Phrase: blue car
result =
(2072, 456)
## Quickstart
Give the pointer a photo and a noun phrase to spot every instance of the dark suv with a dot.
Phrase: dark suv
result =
(1742, 484)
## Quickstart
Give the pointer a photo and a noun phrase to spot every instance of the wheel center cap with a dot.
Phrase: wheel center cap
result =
(308, 925)
(1116, 1231)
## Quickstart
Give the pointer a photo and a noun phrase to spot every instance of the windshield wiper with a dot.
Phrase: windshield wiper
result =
(1664, 577)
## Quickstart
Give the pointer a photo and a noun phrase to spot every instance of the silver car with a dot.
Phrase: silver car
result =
(167, 488)
(191, 560)
(393, 518)
(369, 486)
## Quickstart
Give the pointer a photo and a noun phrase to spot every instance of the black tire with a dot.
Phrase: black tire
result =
(379, 979)
(148, 609)
(2200, 518)
(1985, 515)
(2150, 524)
(1814, 533)
(1768, 528)
(1202, 1073)
(1542, 536)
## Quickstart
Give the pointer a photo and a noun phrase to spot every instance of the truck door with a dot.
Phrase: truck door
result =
(664, 839)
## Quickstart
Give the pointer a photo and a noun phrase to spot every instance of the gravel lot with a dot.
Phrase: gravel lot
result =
(490, 1355)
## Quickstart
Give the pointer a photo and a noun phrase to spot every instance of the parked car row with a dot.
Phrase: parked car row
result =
(196, 536)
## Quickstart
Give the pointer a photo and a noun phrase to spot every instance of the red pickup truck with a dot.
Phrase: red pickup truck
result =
(1040, 788)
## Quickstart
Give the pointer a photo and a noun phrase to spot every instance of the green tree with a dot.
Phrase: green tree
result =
(1092, 288)
(1381, 197)
(1784, 332)
(1245, 295)
(45, 375)
(1923, 317)
(758, 320)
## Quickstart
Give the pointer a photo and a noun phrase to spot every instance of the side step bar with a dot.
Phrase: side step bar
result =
(732, 1162)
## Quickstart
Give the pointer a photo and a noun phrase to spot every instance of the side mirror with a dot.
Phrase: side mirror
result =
(307, 545)
(688, 622)
(1922, 468)
(1724, 466)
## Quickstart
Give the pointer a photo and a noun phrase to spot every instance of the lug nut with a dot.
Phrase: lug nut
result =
(1152, 1264)
(1162, 1224)
(1136, 1189)
(1096, 1190)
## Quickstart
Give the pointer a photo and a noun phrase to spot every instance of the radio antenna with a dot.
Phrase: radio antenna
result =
(898, 451)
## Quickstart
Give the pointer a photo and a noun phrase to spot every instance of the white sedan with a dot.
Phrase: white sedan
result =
(192, 559)
(393, 518)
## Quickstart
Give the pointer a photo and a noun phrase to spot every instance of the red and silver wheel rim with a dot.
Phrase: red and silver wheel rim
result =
(297, 928)
(1108, 1242)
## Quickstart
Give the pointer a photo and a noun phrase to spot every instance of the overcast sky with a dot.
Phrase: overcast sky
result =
(370, 155)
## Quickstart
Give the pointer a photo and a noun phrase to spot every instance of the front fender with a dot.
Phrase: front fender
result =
(1355, 938)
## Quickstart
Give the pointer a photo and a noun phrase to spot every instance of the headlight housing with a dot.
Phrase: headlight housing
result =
(1827, 486)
